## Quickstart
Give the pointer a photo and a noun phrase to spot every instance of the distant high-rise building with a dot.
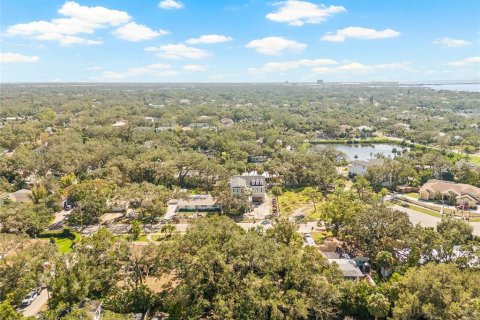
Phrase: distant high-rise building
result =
(319, 81)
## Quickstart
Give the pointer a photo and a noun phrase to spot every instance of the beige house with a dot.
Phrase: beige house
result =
(253, 182)
(464, 194)
(198, 202)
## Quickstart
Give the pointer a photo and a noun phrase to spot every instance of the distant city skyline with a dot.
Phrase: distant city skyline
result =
(238, 41)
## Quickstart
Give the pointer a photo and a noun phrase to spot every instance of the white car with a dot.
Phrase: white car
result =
(31, 296)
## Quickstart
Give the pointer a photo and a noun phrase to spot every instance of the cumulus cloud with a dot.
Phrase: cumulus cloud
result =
(209, 39)
(297, 13)
(156, 70)
(79, 20)
(8, 57)
(360, 33)
(283, 66)
(170, 4)
(179, 51)
(194, 67)
(137, 32)
(276, 45)
(451, 43)
(465, 62)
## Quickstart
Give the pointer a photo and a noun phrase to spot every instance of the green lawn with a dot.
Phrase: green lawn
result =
(319, 236)
(424, 210)
(475, 159)
(64, 243)
(291, 200)
(413, 195)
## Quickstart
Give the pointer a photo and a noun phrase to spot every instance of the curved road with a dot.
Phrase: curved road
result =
(426, 220)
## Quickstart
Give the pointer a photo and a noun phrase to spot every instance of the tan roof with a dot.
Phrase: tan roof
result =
(444, 187)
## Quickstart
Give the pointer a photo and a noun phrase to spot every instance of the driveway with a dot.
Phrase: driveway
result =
(36, 306)
(59, 220)
(426, 220)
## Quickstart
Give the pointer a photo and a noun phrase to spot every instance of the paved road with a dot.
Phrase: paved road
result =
(36, 305)
(60, 219)
(426, 220)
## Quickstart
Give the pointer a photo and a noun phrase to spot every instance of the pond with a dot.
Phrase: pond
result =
(363, 151)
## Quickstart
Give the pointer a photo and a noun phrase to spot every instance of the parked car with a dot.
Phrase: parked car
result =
(31, 296)
(265, 222)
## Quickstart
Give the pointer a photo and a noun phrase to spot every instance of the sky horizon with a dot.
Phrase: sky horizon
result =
(239, 41)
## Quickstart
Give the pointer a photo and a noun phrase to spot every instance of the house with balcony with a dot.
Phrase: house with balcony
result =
(251, 183)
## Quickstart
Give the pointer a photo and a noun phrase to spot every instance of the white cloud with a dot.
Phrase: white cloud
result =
(80, 20)
(137, 32)
(9, 57)
(94, 15)
(360, 33)
(179, 51)
(95, 68)
(465, 62)
(194, 67)
(329, 66)
(155, 70)
(210, 39)
(451, 43)
(276, 45)
(170, 4)
(283, 66)
(356, 67)
(297, 13)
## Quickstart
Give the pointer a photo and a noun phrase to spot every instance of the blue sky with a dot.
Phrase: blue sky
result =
(239, 41)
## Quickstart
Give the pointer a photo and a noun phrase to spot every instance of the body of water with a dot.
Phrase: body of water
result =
(363, 151)
(472, 87)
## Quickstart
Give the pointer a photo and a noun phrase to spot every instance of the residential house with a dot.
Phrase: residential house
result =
(22, 196)
(257, 159)
(226, 122)
(198, 202)
(346, 131)
(163, 128)
(365, 132)
(462, 194)
(360, 167)
(119, 124)
(348, 268)
(254, 182)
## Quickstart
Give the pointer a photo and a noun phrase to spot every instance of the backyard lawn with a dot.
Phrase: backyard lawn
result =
(63, 241)
(64, 245)
(293, 200)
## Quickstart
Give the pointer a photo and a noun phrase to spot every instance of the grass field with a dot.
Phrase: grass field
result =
(423, 210)
(412, 195)
(64, 245)
(475, 159)
(292, 200)
(63, 242)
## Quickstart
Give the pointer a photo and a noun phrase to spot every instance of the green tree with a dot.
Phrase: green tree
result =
(378, 305)
(135, 229)
(70, 281)
(437, 291)
(339, 209)
(39, 192)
